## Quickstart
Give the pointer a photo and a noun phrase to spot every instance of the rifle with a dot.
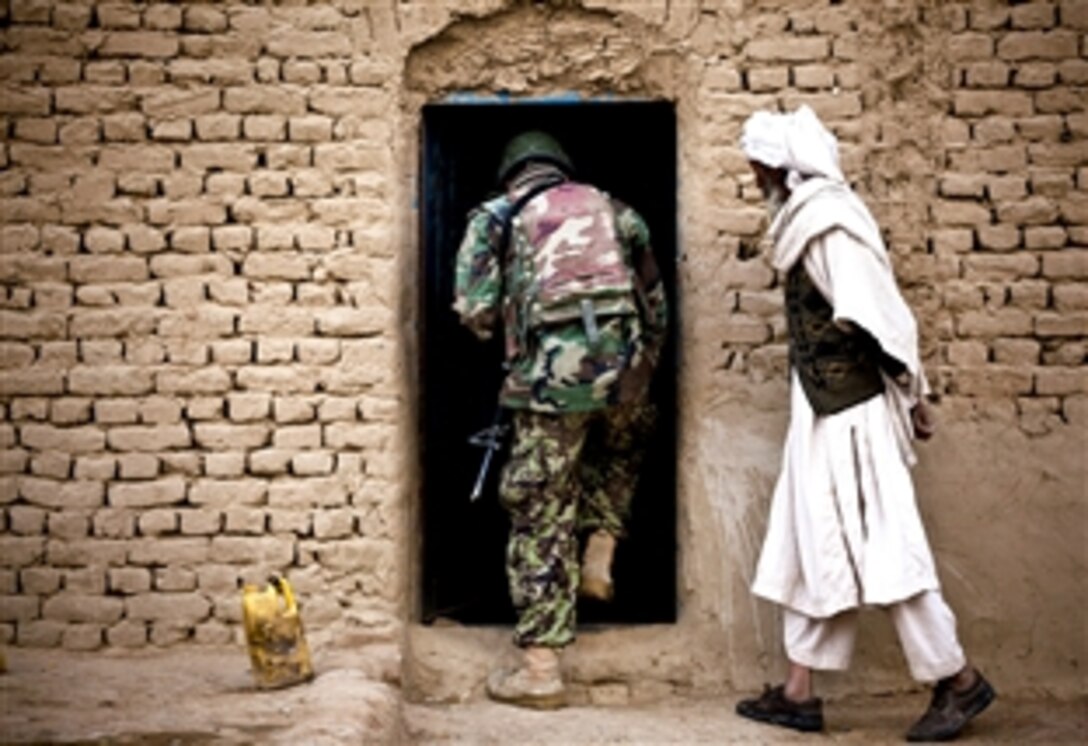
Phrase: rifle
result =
(491, 439)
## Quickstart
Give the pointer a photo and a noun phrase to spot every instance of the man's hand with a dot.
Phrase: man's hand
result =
(924, 421)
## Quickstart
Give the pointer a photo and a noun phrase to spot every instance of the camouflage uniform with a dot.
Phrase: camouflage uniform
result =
(581, 413)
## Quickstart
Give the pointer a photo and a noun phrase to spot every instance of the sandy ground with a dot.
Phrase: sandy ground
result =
(201, 695)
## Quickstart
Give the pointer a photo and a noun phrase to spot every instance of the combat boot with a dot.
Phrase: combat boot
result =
(597, 566)
(534, 683)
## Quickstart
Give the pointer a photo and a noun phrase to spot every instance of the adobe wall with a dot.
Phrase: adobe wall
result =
(210, 258)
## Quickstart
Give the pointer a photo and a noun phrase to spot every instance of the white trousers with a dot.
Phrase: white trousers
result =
(925, 624)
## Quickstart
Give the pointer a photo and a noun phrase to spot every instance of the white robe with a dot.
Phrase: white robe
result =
(844, 528)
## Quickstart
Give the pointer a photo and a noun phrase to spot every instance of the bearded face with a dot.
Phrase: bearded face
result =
(775, 198)
(772, 183)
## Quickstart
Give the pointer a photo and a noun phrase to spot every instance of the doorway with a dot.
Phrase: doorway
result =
(629, 150)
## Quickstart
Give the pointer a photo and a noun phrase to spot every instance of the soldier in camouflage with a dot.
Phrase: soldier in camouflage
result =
(571, 274)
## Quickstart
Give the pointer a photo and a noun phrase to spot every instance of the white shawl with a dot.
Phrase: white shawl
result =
(844, 527)
(859, 282)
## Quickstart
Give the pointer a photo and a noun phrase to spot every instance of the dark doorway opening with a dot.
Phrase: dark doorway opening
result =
(629, 150)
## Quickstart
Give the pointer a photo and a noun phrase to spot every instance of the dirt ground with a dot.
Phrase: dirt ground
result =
(205, 696)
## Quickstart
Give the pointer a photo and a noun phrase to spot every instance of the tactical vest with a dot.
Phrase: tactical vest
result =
(570, 259)
(837, 369)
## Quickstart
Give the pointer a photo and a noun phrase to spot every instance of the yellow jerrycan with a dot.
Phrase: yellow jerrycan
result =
(277, 645)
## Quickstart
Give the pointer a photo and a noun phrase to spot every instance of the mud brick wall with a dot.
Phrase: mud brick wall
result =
(199, 378)
(210, 292)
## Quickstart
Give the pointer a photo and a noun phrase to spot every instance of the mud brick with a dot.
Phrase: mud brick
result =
(175, 579)
(244, 521)
(979, 103)
(206, 381)
(334, 524)
(232, 352)
(46, 633)
(297, 522)
(40, 581)
(1067, 264)
(87, 580)
(110, 381)
(137, 44)
(1045, 237)
(308, 493)
(318, 351)
(201, 522)
(297, 437)
(217, 579)
(1000, 267)
(1032, 294)
(264, 100)
(337, 409)
(151, 438)
(270, 461)
(312, 128)
(205, 19)
(991, 237)
(343, 435)
(24, 101)
(168, 551)
(31, 381)
(271, 552)
(1070, 297)
(292, 43)
(80, 132)
(312, 464)
(70, 411)
(248, 407)
(283, 322)
(114, 523)
(127, 634)
(42, 131)
(1038, 45)
(293, 410)
(1061, 381)
(988, 74)
(77, 607)
(992, 381)
(1016, 351)
(83, 637)
(166, 491)
(966, 354)
(1036, 75)
(69, 525)
(51, 464)
(13, 461)
(213, 632)
(26, 520)
(276, 267)
(226, 437)
(1068, 324)
(216, 493)
(22, 551)
(86, 553)
(179, 608)
(137, 465)
(83, 439)
(95, 468)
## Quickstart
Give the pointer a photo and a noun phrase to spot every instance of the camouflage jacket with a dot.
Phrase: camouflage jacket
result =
(556, 368)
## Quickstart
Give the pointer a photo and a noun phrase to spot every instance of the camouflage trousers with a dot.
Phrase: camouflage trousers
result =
(567, 474)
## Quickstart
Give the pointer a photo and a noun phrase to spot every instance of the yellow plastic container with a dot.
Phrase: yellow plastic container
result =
(274, 635)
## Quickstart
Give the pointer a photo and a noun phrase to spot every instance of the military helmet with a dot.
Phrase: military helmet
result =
(533, 145)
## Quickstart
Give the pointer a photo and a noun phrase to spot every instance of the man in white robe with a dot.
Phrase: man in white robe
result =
(844, 528)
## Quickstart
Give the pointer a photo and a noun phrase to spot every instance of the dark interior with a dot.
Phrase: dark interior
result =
(629, 150)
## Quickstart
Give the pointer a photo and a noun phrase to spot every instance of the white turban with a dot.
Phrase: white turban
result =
(797, 142)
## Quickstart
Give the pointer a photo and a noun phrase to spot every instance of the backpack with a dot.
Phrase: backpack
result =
(569, 260)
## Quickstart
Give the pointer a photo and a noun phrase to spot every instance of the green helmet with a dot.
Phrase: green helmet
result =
(533, 145)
